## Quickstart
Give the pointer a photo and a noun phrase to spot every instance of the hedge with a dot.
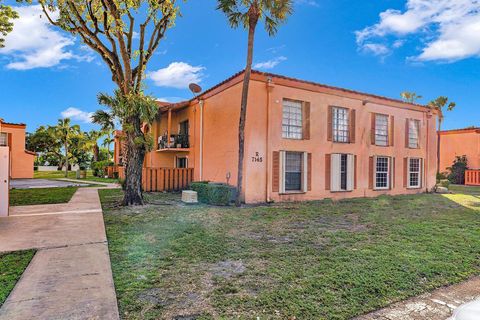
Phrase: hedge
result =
(218, 194)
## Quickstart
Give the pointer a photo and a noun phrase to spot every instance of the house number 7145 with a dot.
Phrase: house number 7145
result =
(257, 158)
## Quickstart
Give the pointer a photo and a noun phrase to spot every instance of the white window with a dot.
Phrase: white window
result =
(342, 172)
(414, 172)
(381, 130)
(382, 173)
(340, 124)
(294, 171)
(413, 133)
(3, 139)
(292, 124)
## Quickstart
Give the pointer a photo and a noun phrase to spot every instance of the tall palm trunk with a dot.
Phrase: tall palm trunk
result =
(66, 158)
(243, 109)
(133, 167)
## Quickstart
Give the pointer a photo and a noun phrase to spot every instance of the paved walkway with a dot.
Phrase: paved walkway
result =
(44, 183)
(70, 275)
(436, 305)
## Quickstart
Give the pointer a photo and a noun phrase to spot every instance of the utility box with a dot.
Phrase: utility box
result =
(4, 181)
(189, 196)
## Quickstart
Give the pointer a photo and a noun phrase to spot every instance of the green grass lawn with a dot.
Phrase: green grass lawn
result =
(12, 265)
(24, 197)
(71, 175)
(314, 260)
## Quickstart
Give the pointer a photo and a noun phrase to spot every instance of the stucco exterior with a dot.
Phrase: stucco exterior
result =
(213, 150)
(458, 143)
(21, 160)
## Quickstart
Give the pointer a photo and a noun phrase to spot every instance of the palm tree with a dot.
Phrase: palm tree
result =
(410, 97)
(439, 104)
(92, 138)
(64, 131)
(107, 142)
(248, 13)
(106, 120)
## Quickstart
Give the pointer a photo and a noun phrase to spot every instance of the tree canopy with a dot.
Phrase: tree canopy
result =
(7, 14)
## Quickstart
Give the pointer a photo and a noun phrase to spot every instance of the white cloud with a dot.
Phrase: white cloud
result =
(376, 49)
(312, 3)
(270, 64)
(171, 99)
(34, 44)
(448, 30)
(177, 75)
(77, 114)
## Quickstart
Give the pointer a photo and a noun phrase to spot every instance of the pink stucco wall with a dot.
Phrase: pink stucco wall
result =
(457, 143)
(21, 161)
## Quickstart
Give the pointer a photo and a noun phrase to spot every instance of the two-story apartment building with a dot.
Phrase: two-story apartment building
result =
(21, 160)
(304, 140)
(459, 142)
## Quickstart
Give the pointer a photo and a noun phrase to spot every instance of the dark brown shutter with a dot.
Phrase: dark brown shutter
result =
(306, 120)
(392, 174)
(352, 125)
(421, 173)
(405, 172)
(330, 123)
(407, 129)
(9, 141)
(372, 129)
(328, 167)
(355, 168)
(276, 171)
(391, 134)
(309, 173)
(370, 173)
(419, 133)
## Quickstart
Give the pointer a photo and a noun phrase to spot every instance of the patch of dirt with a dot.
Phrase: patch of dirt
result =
(227, 269)
(156, 296)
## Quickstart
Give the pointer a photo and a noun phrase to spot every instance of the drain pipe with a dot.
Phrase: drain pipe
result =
(201, 103)
(268, 191)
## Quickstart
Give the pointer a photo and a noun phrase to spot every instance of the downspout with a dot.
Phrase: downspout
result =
(201, 103)
(268, 190)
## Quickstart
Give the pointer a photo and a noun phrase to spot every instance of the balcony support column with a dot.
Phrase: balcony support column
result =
(169, 127)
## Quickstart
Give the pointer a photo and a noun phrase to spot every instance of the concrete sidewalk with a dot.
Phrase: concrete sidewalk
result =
(70, 276)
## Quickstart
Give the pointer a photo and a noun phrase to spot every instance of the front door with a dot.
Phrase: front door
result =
(4, 180)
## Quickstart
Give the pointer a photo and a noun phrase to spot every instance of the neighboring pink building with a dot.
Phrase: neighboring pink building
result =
(460, 142)
(21, 160)
(304, 140)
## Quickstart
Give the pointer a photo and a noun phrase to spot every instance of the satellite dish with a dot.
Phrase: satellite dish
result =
(195, 88)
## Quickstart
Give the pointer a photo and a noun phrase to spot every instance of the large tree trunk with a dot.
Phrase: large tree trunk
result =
(95, 152)
(134, 162)
(243, 108)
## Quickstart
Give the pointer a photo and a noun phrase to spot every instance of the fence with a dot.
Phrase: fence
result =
(162, 179)
(472, 177)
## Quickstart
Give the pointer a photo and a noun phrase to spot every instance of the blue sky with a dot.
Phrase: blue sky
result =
(382, 47)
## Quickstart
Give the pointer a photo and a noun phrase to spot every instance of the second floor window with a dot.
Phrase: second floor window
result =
(292, 123)
(340, 124)
(413, 133)
(381, 130)
(3, 139)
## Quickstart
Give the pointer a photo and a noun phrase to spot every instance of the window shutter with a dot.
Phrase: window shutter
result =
(371, 173)
(9, 141)
(418, 134)
(276, 171)
(282, 172)
(355, 185)
(306, 120)
(328, 160)
(330, 123)
(372, 129)
(351, 172)
(407, 132)
(335, 172)
(309, 168)
(352, 125)
(405, 172)
(421, 173)
(391, 133)
(392, 173)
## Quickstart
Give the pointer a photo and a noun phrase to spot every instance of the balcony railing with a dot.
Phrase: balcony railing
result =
(176, 141)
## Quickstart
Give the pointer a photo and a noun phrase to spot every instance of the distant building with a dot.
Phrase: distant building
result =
(303, 140)
(21, 160)
(460, 142)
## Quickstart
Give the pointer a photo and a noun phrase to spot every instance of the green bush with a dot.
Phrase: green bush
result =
(98, 167)
(457, 170)
(444, 183)
(218, 194)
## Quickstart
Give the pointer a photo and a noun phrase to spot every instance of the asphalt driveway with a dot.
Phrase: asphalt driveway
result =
(42, 183)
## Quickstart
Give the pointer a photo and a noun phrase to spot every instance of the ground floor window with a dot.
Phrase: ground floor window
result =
(342, 172)
(182, 162)
(382, 173)
(293, 171)
(414, 170)
(3, 139)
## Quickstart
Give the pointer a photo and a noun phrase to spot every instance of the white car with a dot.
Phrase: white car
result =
(468, 311)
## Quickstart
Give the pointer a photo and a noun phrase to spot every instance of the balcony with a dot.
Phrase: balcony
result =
(177, 143)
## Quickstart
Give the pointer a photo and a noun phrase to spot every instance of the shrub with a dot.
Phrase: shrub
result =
(98, 167)
(457, 170)
(444, 183)
(218, 194)
(442, 176)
